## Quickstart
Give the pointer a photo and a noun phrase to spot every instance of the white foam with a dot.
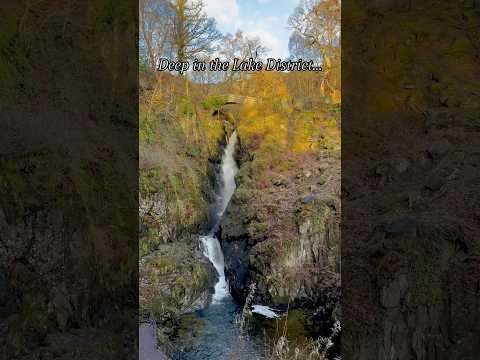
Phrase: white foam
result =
(265, 311)
(213, 251)
(229, 170)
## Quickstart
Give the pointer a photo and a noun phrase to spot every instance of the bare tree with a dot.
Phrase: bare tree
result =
(317, 22)
(194, 32)
(175, 28)
(241, 47)
(156, 26)
(300, 48)
(316, 34)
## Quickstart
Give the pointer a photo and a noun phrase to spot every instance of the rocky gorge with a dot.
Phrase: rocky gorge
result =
(279, 232)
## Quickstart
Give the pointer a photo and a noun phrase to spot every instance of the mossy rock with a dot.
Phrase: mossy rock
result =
(175, 279)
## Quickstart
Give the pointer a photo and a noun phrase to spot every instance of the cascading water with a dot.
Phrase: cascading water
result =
(211, 246)
(213, 333)
(218, 336)
(229, 170)
(213, 251)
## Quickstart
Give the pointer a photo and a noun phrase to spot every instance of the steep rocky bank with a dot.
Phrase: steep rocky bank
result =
(177, 181)
(175, 279)
(288, 237)
(281, 227)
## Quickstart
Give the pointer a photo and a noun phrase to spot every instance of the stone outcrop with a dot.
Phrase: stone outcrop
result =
(174, 280)
(284, 238)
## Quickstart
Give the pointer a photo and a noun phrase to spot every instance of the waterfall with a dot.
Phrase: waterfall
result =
(211, 246)
(213, 251)
(229, 170)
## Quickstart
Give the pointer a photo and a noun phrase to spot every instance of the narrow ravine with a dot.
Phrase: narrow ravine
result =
(213, 333)
(210, 244)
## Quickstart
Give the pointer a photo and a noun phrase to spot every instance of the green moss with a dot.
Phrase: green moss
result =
(242, 195)
(172, 278)
(318, 211)
(257, 229)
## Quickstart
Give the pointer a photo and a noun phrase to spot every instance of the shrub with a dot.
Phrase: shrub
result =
(213, 102)
(187, 108)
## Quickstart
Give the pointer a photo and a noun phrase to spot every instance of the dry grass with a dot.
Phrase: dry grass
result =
(283, 349)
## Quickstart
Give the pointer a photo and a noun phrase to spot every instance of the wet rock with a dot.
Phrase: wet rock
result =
(237, 267)
(175, 279)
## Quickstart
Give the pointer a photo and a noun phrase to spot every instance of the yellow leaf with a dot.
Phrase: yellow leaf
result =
(336, 96)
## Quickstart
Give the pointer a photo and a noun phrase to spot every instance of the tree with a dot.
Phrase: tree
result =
(317, 22)
(299, 48)
(316, 32)
(155, 28)
(194, 33)
(241, 47)
(175, 29)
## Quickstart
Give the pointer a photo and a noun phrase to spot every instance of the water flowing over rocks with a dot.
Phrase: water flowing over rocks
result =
(211, 246)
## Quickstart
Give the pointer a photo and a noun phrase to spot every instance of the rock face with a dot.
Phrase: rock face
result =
(284, 237)
(174, 203)
(177, 179)
(175, 279)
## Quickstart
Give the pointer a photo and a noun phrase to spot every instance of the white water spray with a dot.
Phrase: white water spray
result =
(229, 170)
(213, 251)
(211, 246)
(265, 311)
